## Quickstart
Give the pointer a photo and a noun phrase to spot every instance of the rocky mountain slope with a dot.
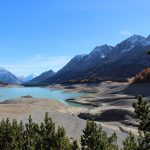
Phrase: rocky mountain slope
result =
(45, 75)
(124, 60)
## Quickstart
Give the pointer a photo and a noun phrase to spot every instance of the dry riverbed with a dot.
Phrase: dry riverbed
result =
(111, 101)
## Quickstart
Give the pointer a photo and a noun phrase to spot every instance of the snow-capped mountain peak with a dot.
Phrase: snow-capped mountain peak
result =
(101, 51)
(131, 42)
(79, 57)
(31, 76)
(148, 37)
(137, 39)
(28, 78)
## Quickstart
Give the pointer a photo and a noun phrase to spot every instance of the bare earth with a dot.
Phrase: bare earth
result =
(112, 102)
(112, 108)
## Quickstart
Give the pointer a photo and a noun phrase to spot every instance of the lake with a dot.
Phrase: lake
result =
(37, 92)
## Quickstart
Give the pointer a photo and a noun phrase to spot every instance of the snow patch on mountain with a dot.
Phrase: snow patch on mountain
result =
(137, 39)
(103, 56)
(101, 51)
(30, 77)
(126, 50)
(78, 57)
(134, 41)
(27, 78)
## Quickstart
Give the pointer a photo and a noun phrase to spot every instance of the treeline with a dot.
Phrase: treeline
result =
(32, 136)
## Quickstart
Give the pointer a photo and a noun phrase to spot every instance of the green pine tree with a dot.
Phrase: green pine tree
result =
(130, 143)
(16, 136)
(47, 133)
(30, 135)
(142, 141)
(142, 111)
(94, 138)
(61, 140)
(75, 145)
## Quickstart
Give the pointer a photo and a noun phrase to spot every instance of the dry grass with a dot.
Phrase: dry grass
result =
(144, 76)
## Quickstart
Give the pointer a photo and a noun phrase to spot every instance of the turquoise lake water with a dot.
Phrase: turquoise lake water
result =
(37, 92)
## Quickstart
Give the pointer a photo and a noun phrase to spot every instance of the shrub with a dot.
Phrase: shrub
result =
(144, 76)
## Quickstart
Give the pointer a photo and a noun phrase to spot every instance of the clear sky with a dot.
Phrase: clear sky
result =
(38, 35)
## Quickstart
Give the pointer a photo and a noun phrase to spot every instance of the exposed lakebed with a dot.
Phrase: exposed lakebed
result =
(38, 92)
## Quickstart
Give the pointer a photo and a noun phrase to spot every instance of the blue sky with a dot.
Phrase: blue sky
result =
(40, 35)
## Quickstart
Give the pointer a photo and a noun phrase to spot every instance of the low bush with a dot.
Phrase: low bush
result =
(144, 76)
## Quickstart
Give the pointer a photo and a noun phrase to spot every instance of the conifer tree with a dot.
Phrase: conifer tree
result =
(94, 138)
(142, 141)
(142, 111)
(75, 145)
(16, 136)
(30, 134)
(47, 132)
(61, 140)
(130, 143)
(5, 136)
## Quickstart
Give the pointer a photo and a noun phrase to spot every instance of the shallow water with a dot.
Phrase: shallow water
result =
(37, 92)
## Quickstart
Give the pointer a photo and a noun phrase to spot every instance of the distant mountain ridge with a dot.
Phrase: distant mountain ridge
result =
(30, 77)
(104, 62)
(43, 76)
(7, 77)
(121, 61)
(27, 78)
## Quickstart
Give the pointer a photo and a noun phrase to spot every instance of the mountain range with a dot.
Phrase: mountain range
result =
(6, 77)
(122, 61)
(104, 62)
